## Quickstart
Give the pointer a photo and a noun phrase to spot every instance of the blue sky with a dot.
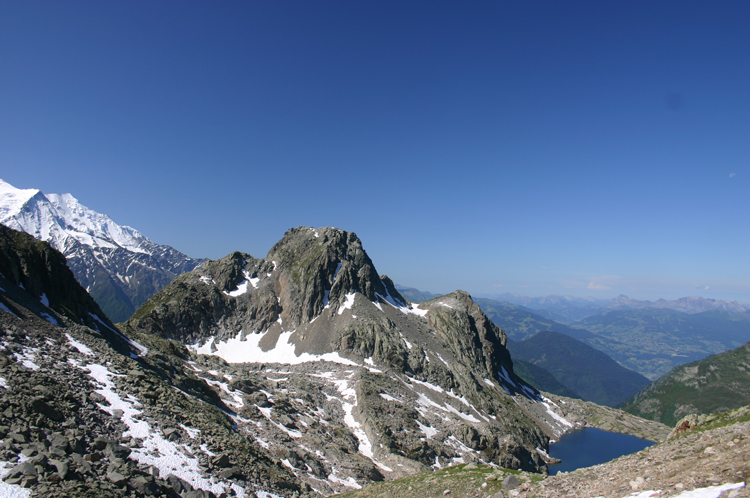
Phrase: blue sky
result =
(585, 148)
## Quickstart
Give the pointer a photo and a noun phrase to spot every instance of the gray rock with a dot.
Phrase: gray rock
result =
(232, 473)
(23, 469)
(144, 486)
(221, 460)
(62, 468)
(116, 478)
(511, 482)
(116, 451)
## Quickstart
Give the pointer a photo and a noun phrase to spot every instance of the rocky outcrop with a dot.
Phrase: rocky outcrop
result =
(39, 278)
(85, 411)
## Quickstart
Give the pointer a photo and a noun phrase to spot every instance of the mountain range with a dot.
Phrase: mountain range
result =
(570, 309)
(647, 340)
(590, 373)
(299, 374)
(307, 373)
(117, 265)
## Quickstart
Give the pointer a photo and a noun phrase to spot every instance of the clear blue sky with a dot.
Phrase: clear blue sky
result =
(587, 148)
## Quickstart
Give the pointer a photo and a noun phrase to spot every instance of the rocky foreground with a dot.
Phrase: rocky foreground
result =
(708, 461)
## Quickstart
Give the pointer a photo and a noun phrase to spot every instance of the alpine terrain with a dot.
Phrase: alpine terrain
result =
(301, 374)
(118, 266)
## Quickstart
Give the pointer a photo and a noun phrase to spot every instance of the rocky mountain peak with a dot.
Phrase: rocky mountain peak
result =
(322, 265)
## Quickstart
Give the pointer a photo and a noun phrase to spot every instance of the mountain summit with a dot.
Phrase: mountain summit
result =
(314, 324)
(116, 264)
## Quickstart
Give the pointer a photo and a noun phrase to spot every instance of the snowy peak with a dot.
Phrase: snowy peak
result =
(12, 199)
(119, 266)
(60, 217)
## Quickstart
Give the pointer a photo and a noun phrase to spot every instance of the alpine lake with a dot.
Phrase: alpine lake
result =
(589, 446)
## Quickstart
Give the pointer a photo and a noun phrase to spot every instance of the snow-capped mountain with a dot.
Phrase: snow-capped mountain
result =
(118, 265)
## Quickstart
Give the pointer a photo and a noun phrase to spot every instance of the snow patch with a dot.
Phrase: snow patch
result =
(27, 357)
(547, 402)
(192, 433)
(408, 344)
(348, 303)
(44, 299)
(242, 286)
(82, 348)
(237, 350)
(426, 430)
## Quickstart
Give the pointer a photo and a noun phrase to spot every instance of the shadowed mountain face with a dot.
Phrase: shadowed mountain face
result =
(588, 372)
(41, 281)
(718, 383)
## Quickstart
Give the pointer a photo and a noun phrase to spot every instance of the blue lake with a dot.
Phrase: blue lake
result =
(587, 447)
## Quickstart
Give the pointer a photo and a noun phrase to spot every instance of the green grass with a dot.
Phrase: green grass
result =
(459, 479)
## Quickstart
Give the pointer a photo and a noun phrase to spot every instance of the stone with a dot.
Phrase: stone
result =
(221, 460)
(511, 482)
(178, 485)
(62, 468)
(23, 469)
(636, 483)
(144, 486)
(116, 451)
(232, 473)
(116, 478)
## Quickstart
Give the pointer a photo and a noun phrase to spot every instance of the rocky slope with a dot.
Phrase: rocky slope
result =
(707, 461)
(85, 411)
(327, 366)
(717, 383)
(116, 264)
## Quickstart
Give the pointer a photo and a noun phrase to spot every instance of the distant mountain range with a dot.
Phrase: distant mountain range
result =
(652, 341)
(116, 264)
(569, 309)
